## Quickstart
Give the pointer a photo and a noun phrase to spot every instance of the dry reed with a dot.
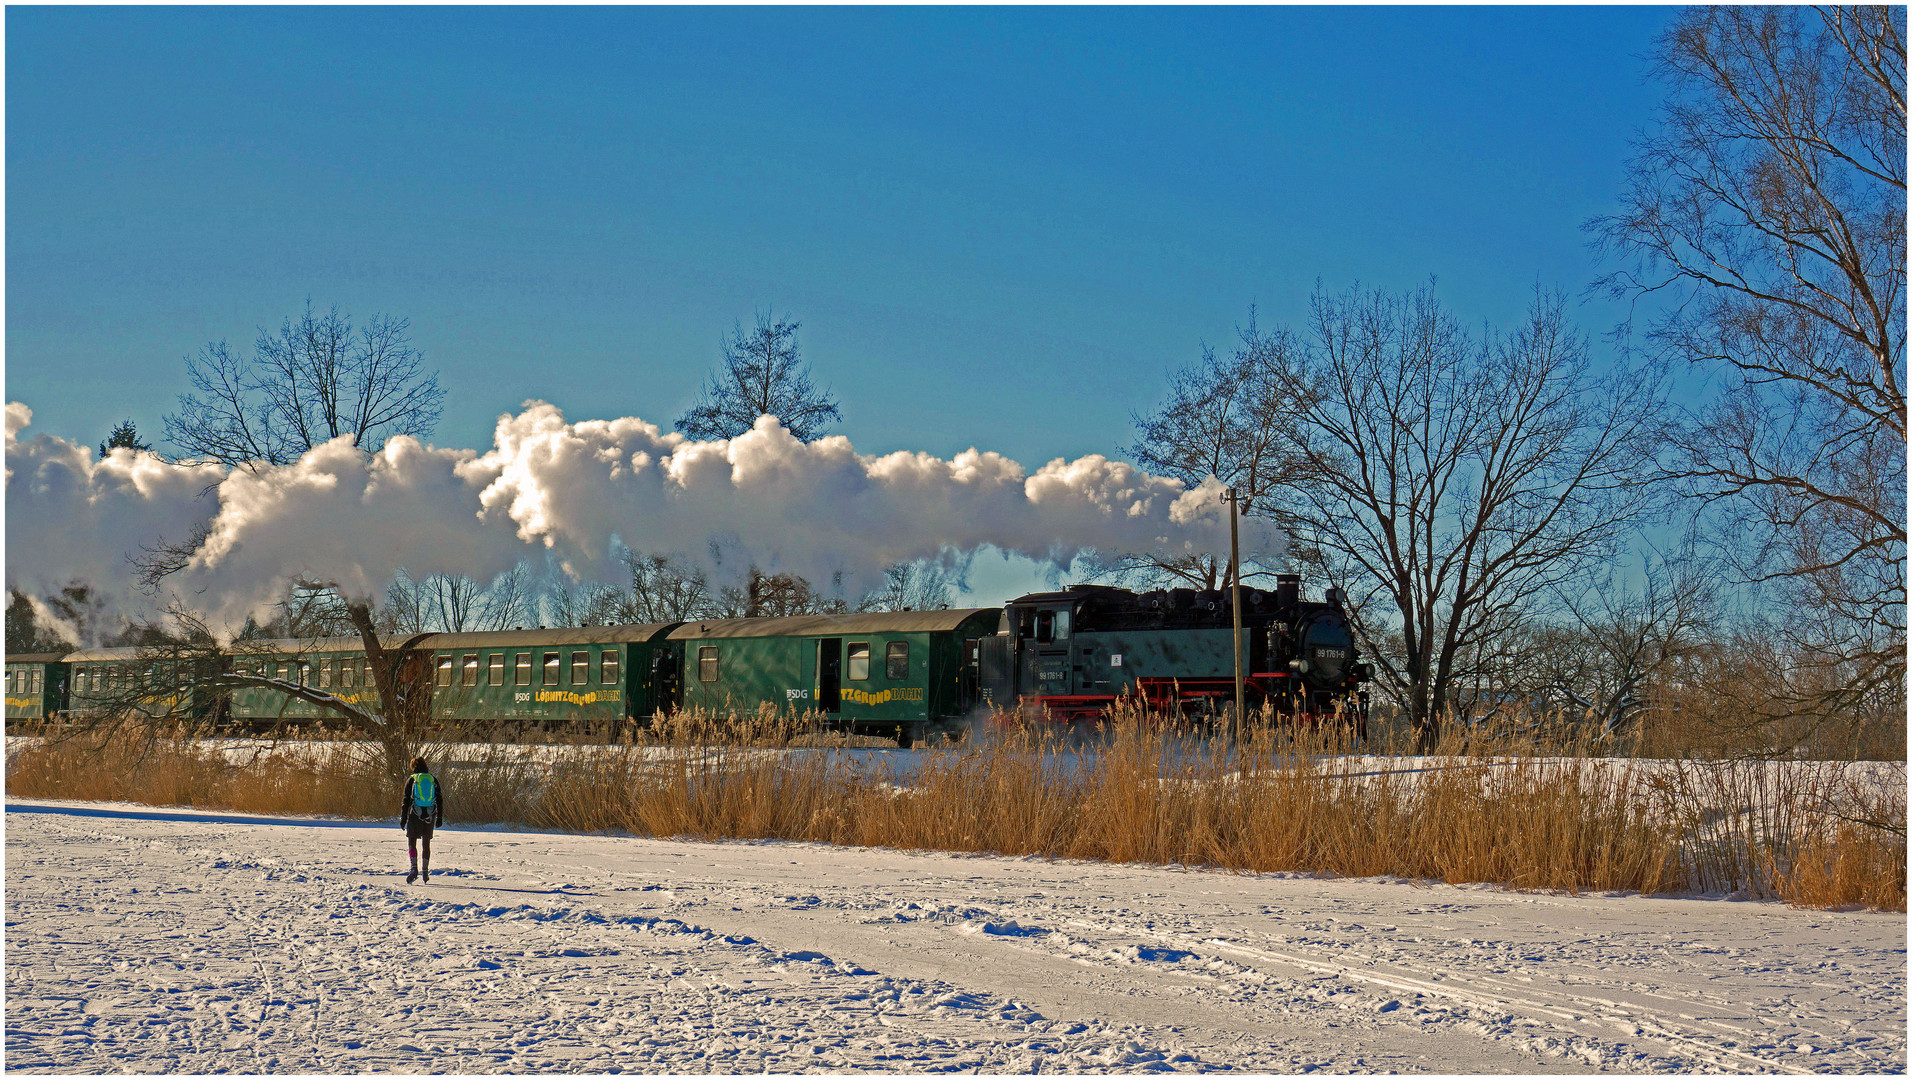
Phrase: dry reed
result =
(1513, 810)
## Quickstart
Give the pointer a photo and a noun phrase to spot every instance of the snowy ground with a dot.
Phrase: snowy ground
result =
(141, 940)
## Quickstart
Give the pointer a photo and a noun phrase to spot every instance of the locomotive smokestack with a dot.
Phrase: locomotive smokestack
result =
(1287, 590)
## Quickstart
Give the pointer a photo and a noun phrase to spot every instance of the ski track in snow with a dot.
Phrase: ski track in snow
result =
(149, 940)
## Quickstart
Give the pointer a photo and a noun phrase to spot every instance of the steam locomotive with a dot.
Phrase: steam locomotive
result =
(1073, 654)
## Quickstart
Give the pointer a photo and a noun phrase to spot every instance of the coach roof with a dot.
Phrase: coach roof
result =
(868, 622)
(564, 635)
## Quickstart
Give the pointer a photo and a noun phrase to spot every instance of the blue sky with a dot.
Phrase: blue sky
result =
(1000, 227)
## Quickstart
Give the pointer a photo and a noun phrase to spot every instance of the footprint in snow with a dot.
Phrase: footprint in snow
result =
(1008, 928)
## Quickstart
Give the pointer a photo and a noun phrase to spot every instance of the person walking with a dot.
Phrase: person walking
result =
(424, 807)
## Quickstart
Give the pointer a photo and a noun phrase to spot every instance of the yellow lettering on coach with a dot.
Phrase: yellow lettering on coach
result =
(568, 697)
(881, 697)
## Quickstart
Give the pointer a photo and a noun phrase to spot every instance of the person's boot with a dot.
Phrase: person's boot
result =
(428, 869)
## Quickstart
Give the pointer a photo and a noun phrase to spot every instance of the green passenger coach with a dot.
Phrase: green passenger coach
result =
(602, 675)
(333, 665)
(36, 685)
(901, 673)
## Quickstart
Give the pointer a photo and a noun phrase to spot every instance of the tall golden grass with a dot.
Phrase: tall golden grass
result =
(1513, 810)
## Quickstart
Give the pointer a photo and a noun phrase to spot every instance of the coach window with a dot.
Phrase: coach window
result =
(496, 675)
(580, 668)
(896, 660)
(859, 660)
(444, 671)
(12, 687)
(284, 670)
(551, 669)
(523, 666)
(607, 668)
(325, 674)
(33, 681)
(469, 672)
(707, 663)
(348, 670)
(305, 673)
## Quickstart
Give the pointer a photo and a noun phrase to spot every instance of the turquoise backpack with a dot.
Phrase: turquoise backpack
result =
(424, 790)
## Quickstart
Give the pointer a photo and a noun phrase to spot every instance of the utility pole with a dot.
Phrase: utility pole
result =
(1234, 605)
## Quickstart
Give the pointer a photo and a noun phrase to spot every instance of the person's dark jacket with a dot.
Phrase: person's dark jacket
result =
(406, 809)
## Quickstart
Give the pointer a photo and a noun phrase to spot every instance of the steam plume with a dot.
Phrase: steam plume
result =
(578, 490)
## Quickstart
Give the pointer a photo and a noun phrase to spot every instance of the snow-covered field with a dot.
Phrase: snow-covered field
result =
(142, 939)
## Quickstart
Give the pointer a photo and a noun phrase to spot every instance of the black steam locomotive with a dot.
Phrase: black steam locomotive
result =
(1072, 654)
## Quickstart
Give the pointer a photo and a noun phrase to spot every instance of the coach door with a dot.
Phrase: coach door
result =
(830, 674)
(666, 687)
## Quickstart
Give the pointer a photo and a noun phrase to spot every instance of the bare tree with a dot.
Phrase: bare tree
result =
(1769, 206)
(195, 656)
(307, 611)
(1619, 643)
(766, 596)
(762, 375)
(509, 602)
(1229, 417)
(911, 586)
(454, 603)
(664, 588)
(406, 609)
(584, 604)
(317, 379)
(1453, 482)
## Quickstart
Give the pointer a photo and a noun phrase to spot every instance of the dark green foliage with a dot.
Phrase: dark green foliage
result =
(126, 435)
(24, 632)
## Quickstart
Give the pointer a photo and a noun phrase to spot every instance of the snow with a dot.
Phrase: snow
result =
(161, 940)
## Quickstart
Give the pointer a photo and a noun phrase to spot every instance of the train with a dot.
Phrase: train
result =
(1065, 656)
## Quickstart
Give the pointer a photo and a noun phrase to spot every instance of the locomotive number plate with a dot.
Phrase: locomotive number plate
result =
(1332, 654)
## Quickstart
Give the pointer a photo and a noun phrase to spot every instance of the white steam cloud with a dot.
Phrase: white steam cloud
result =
(578, 490)
(70, 516)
